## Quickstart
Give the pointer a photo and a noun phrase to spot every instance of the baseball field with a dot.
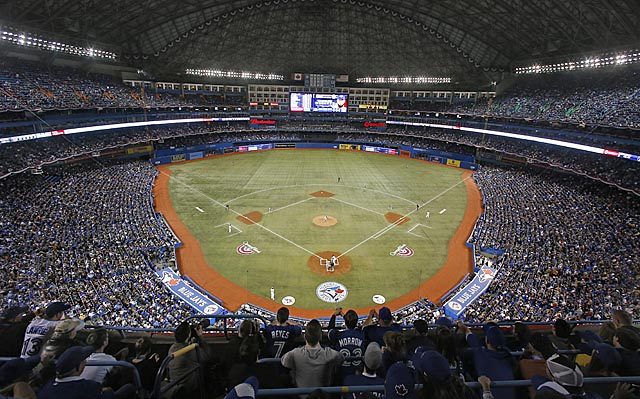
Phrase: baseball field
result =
(276, 218)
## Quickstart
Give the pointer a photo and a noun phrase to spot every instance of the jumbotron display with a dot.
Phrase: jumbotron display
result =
(318, 102)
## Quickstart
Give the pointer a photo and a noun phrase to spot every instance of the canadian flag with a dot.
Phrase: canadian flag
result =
(297, 76)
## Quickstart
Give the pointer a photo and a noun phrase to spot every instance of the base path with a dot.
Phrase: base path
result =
(192, 263)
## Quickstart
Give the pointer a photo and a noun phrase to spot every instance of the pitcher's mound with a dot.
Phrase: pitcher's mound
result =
(250, 218)
(322, 194)
(325, 221)
(343, 267)
(396, 218)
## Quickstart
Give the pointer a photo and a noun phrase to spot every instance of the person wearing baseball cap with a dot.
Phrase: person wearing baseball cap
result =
(68, 383)
(246, 390)
(41, 327)
(400, 382)
(372, 362)
(13, 323)
(375, 332)
(492, 359)
(437, 379)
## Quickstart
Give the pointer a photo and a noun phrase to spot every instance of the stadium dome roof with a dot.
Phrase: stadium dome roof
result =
(468, 40)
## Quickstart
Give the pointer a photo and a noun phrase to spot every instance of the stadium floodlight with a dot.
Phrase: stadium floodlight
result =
(233, 74)
(592, 61)
(26, 39)
(404, 79)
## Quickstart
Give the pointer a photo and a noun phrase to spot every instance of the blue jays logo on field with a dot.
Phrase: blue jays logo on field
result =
(331, 292)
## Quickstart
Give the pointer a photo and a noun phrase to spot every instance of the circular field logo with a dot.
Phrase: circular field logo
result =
(331, 292)
(455, 305)
(379, 299)
(288, 300)
(406, 251)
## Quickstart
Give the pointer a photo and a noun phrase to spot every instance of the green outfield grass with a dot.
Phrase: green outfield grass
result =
(283, 180)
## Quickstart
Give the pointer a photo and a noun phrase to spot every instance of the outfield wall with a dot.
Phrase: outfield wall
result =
(163, 157)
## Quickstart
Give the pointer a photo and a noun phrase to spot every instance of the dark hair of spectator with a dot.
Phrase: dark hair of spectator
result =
(542, 344)
(313, 332)
(97, 337)
(182, 332)
(249, 349)
(522, 332)
(395, 342)
(562, 328)
(283, 315)
(445, 343)
(607, 331)
(628, 338)
(623, 318)
(351, 319)
(247, 328)
(143, 345)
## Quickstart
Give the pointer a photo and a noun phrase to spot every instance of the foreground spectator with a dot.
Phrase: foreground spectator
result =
(491, 359)
(99, 339)
(181, 368)
(281, 333)
(371, 362)
(439, 383)
(312, 365)
(399, 382)
(40, 329)
(349, 342)
(375, 332)
(147, 363)
(13, 324)
(68, 382)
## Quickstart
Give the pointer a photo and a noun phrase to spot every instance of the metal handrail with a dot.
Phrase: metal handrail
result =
(380, 388)
(158, 389)
(136, 375)
(228, 316)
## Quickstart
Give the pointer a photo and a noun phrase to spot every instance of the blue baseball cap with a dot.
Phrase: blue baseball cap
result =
(72, 357)
(248, 389)
(385, 314)
(432, 364)
(400, 383)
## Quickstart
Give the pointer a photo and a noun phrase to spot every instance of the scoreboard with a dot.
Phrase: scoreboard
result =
(319, 80)
(318, 102)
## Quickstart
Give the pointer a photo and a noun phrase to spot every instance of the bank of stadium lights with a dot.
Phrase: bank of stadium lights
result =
(234, 74)
(33, 41)
(629, 57)
(403, 79)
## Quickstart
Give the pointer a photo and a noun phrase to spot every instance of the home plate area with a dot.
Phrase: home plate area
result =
(318, 263)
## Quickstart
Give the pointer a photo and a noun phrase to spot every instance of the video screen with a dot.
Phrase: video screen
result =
(318, 102)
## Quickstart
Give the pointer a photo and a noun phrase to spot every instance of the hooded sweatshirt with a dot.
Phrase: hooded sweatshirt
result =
(312, 367)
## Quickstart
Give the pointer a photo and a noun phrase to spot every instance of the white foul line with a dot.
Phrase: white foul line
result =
(287, 206)
(394, 224)
(357, 206)
(242, 216)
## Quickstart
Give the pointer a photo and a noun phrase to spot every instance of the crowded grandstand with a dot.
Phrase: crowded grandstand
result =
(93, 98)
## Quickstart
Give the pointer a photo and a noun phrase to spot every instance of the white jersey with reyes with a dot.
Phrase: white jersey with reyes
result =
(35, 335)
